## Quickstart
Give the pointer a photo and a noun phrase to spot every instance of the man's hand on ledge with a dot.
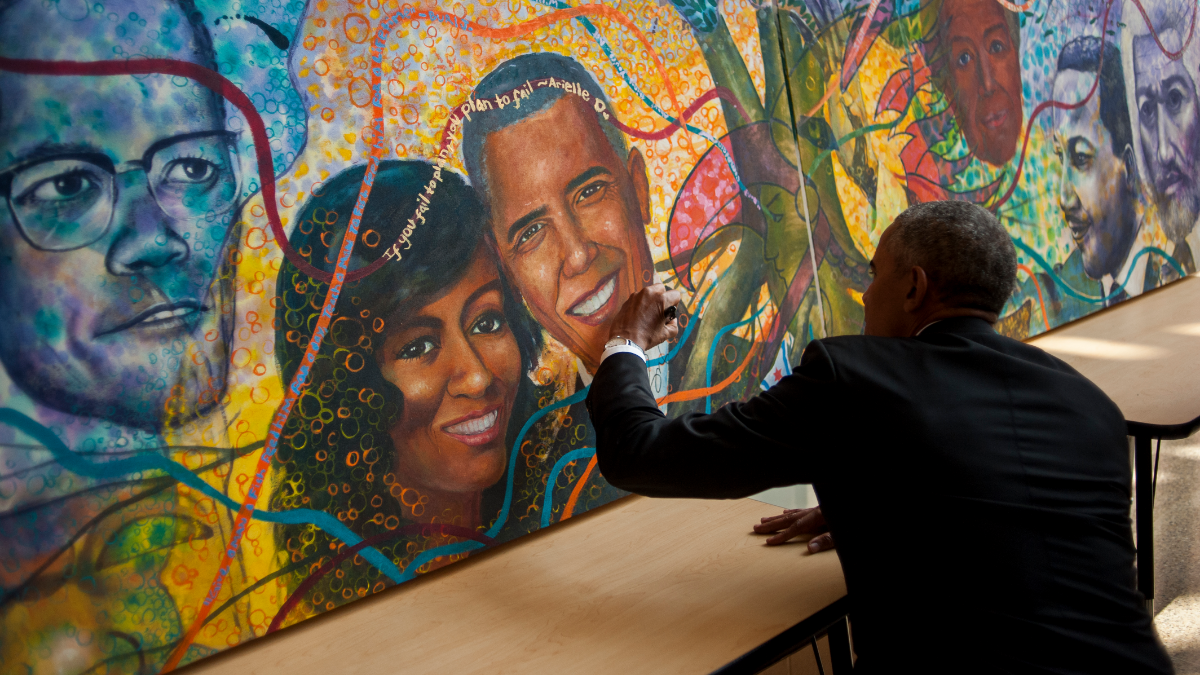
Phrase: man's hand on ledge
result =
(641, 317)
(795, 522)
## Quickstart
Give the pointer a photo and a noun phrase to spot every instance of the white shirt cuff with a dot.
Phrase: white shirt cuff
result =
(618, 349)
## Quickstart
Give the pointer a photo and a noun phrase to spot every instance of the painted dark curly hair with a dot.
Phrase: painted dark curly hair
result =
(336, 454)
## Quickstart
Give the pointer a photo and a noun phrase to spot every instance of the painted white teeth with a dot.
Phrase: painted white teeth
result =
(478, 425)
(594, 303)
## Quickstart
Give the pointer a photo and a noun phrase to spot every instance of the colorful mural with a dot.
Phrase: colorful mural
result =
(1074, 122)
(303, 300)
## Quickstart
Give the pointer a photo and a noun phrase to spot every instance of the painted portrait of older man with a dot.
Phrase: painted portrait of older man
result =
(1162, 98)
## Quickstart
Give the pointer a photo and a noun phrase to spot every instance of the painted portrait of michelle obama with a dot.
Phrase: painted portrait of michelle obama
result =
(408, 415)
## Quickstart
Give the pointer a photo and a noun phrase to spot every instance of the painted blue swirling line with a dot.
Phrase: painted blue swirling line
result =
(410, 572)
(576, 454)
(713, 350)
(512, 460)
(154, 462)
(1116, 289)
(463, 546)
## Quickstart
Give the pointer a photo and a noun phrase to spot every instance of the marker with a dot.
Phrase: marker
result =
(670, 313)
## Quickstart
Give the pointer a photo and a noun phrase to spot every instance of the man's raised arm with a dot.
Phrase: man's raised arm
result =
(737, 451)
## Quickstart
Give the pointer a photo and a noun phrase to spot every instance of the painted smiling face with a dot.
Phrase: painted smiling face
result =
(1095, 192)
(121, 194)
(567, 218)
(985, 74)
(1169, 126)
(456, 362)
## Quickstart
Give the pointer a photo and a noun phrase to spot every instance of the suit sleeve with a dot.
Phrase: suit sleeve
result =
(774, 439)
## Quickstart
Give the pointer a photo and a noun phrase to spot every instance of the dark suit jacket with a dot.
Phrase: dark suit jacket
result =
(978, 490)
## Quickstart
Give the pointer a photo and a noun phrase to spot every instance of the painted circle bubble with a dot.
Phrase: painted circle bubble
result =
(360, 92)
(256, 238)
(357, 28)
(241, 357)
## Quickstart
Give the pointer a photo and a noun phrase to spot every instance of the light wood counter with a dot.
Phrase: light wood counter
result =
(1144, 353)
(639, 586)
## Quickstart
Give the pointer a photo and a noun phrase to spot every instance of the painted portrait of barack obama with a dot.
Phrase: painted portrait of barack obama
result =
(568, 199)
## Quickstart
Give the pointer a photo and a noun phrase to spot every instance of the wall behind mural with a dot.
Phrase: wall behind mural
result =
(303, 300)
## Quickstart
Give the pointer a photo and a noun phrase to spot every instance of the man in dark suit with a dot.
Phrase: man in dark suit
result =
(978, 488)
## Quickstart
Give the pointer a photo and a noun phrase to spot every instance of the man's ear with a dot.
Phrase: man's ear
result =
(1130, 167)
(636, 166)
(918, 289)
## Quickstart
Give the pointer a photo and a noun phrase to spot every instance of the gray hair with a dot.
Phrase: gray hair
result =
(965, 251)
(512, 74)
